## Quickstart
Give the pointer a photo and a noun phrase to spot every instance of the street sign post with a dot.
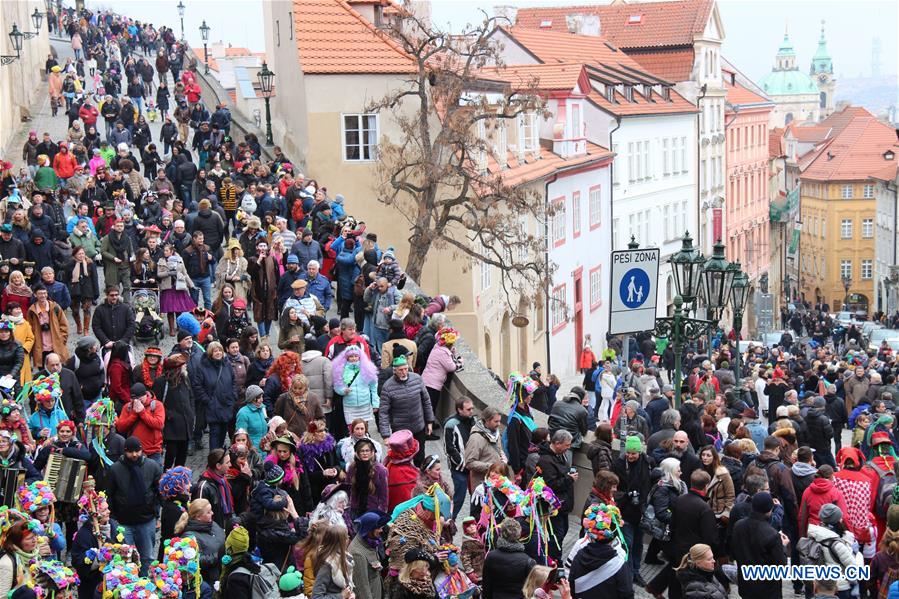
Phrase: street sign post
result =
(634, 280)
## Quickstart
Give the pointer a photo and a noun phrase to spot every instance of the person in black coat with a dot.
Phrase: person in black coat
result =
(213, 385)
(506, 566)
(276, 535)
(173, 389)
(756, 542)
(820, 432)
(601, 554)
(113, 319)
(633, 471)
(835, 409)
(88, 368)
(97, 529)
(12, 354)
(558, 477)
(174, 494)
(518, 433)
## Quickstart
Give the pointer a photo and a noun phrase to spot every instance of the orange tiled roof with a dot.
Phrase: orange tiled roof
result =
(234, 52)
(673, 65)
(555, 48)
(811, 133)
(517, 173)
(549, 77)
(839, 120)
(855, 153)
(775, 143)
(887, 173)
(331, 38)
(634, 25)
(737, 94)
(213, 63)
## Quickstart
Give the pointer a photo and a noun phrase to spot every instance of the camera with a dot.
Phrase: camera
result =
(634, 497)
(45, 326)
(556, 576)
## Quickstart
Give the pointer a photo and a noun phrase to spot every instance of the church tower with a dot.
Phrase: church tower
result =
(822, 72)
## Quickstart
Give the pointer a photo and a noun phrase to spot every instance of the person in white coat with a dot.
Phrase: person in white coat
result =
(840, 548)
(607, 383)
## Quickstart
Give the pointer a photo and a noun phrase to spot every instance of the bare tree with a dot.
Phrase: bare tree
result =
(434, 173)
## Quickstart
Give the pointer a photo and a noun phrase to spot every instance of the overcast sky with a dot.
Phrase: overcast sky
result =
(753, 28)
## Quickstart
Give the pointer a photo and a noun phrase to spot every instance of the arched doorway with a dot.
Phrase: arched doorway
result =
(788, 118)
(506, 336)
(488, 351)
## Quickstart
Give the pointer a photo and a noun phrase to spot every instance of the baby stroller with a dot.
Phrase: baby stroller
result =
(146, 313)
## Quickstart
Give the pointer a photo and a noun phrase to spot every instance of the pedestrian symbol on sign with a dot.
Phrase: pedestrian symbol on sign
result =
(634, 287)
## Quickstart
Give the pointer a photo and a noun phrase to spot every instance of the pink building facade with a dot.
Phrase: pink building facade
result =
(747, 231)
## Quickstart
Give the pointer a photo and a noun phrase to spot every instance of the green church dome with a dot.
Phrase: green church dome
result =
(788, 83)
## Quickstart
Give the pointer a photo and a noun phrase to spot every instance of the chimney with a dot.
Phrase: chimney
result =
(507, 13)
(590, 25)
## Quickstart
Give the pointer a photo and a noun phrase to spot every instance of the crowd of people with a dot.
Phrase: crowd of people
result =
(311, 381)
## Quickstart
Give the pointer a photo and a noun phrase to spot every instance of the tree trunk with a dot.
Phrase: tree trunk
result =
(418, 253)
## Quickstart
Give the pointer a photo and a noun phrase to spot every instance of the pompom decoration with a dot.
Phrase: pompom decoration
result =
(46, 387)
(35, 496)
(516, 501)
(91, 503)
(56, 572)
(539, 491)
(100, 413)
(175, 482)
(110, 552)
(7, 406)
(142, 588)
(447, 336)
(118, 573)
(184, 554)
(167, 578)
(602, 521)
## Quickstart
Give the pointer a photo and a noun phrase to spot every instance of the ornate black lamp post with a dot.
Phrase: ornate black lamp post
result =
(266, 79)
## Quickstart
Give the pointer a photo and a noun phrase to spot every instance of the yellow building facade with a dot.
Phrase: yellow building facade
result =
(837, 242)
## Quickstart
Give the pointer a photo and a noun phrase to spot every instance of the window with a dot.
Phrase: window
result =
(647, 165)
(845, 269)
(847, 192)
(481, 155)
(486, 273)
(558, 224)
(665, 170)
(576, 214)
(595, 207)
(846, 228)
(577, 129)
(868, 228)
(868, 191)
(595, 288)
(638, 160)
(528, 133)
(360, 137)
(683, 154)
(557, 309)
(666, 222)
(617, 165)
(867, 269)
(537, 314)
(674, 157)
(616, 231)
(631, 170)
(501, 146)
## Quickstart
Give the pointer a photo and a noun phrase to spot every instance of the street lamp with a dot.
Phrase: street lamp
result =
(739, 294)
(717, 279)
(687, 267)
(181, 14)
(15, 39)
(266, 78)
(204, 33)
(847, 283)
(36, 19)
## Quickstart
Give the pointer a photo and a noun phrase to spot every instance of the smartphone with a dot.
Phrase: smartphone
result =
(556, 576)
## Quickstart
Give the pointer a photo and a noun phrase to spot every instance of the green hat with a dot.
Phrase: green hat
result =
(238, 541)
(400, 361)
(633, 444)
(290, 580)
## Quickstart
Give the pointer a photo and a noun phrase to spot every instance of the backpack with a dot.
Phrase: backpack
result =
(884, 496)
(265, 584)
(811, 552)
(890, 577)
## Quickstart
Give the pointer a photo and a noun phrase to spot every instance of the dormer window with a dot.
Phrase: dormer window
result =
(629, 93)
(610, 93)
(635, 19)
(546, 23)
(481, 152)
(647, 92)
(889, 155)
(528, 136)
(666, 93)
(500, 146)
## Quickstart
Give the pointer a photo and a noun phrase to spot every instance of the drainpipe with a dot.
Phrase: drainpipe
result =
(702, 94)
(548, 291)
(612, 208)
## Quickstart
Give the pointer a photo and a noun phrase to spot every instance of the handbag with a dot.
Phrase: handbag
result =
(650, 524)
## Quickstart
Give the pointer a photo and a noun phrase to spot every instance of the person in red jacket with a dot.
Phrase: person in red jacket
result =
(401, 472)
(859, 493)
(88, 114)
(64, 163)
(820, 492)
(143, 418)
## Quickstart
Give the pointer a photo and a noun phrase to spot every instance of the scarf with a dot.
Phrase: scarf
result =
(310, 452)
(350, 373)
(121, 244)
(15, 319)
(422, 588)
(79, 271)
(224, 491)
(22, 290)
(362, 483)
(147, 376)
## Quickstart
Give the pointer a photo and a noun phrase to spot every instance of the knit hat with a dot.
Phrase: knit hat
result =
(400, 361)
(182, 335)
(579, 391)
(273, 473)
(601, 521)
(830, 513)
(175, 482)
(253, 391)
(762, 502)
(819, 402)
(189, 323)
(238, 541)
(290, 581)
(240, 303)
(133, 444)
(633, 444)
(293, 259)
(632, 404)
(138, 390)
(893, 517)
(85, 343)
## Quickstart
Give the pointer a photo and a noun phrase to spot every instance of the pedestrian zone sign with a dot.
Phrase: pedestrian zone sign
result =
(635, 275)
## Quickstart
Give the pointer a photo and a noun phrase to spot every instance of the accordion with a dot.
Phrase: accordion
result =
(10, 481)
(65, 476)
